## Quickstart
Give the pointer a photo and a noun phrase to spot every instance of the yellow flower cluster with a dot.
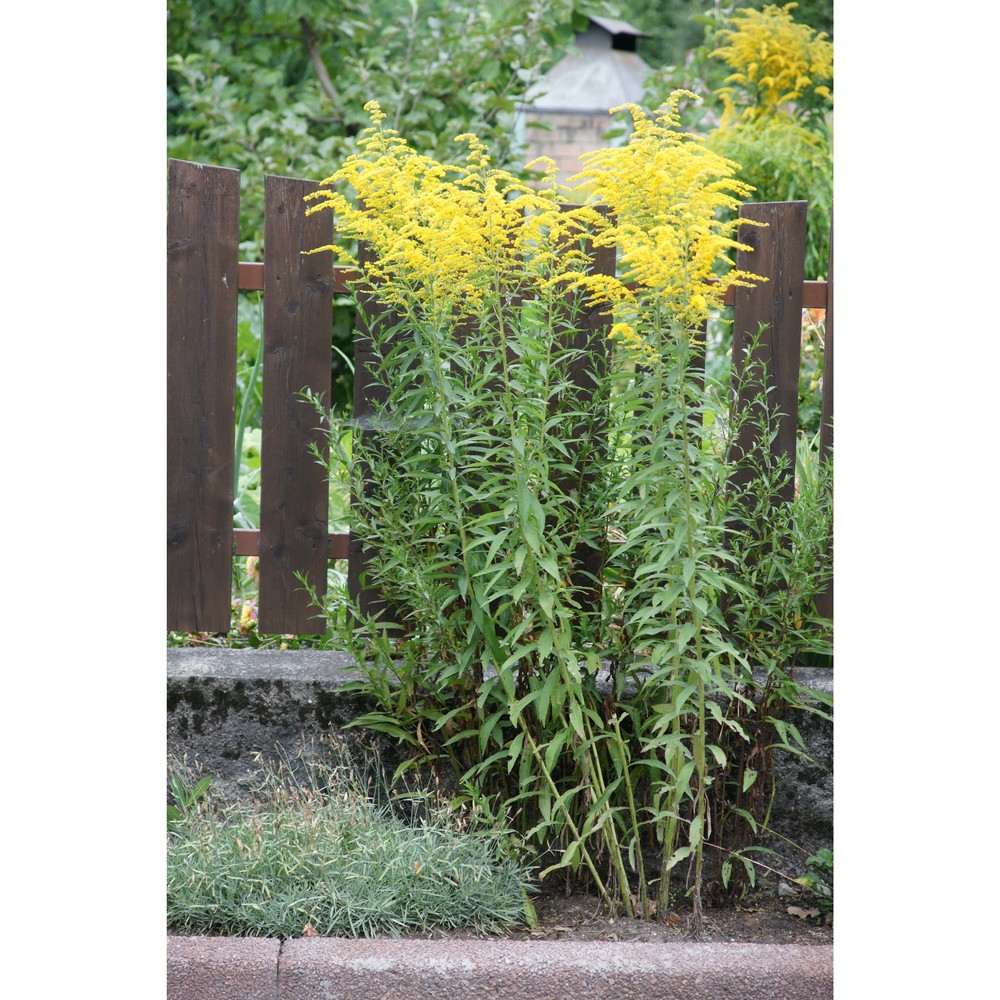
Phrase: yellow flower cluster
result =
(667, 192)
(774, 58)
(447, 238)
(456, 241)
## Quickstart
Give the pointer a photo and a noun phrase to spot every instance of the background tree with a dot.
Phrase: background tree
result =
(279, 86)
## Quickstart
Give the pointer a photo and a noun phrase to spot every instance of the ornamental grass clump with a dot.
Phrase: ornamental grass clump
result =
(541, 489)
(317, 854)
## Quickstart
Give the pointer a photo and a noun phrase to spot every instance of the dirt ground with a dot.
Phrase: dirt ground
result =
(763, 917)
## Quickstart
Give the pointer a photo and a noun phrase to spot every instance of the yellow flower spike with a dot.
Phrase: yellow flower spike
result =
(375, 112)
(447, 239)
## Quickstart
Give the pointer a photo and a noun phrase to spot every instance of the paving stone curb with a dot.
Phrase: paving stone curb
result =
(202, 968)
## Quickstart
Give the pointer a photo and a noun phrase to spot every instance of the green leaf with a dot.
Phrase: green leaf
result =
(554, 748)
(545, 695)
(519, 556)
(486, 730)
(519, 706)
(544, 644)
(570, 858)
(678, 856)
(694, 831)
(515, 751)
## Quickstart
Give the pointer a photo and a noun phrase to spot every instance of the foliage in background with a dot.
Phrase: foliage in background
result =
(784, 161)
(574, 618)
(316, 852)
(277, 86)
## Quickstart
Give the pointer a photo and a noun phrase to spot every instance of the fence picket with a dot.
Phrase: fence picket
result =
(586, 440)
(203, 223)
(369, 395)
(826, 415)
(779, 254)
(298, 301)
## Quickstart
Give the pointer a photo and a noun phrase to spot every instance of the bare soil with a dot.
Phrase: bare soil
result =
(762, 917)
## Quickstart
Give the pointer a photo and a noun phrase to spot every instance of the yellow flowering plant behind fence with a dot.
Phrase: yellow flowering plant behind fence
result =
(572, 559)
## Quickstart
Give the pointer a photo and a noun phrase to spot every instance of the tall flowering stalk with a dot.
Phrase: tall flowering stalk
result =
(675, 203)
(673, 199)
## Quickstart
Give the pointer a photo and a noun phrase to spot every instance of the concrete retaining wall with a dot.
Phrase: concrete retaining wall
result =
(227, 710)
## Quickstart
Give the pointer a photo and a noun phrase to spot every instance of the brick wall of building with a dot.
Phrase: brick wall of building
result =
(571, 135)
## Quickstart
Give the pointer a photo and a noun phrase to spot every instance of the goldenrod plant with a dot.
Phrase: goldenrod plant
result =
(775, 118)
(778, 64)
(767, 84)
(552, 555)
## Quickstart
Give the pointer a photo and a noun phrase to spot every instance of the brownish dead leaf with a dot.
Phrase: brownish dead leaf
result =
(797, 911)
(673, 920)
(637, 906)
(309, 931)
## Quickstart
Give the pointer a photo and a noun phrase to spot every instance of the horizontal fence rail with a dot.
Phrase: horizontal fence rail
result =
(814, 293)
(204, 277)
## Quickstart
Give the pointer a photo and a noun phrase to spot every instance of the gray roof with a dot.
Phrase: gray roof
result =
(615, 27)
(595, 77)
(588, 81)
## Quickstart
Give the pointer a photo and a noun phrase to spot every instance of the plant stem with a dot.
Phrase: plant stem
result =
(698, 739)
(643, 892)
(584, 853)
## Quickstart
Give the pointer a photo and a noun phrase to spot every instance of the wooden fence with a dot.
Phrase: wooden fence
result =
(204, 276)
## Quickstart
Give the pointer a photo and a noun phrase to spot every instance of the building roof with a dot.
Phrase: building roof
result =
(615, 27)
(598, 76)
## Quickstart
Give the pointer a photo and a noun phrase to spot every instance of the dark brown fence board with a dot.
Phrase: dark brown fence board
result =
(779, 253)
(826, 414)
(298, 301)
(586, 438)
(203, 219)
